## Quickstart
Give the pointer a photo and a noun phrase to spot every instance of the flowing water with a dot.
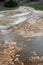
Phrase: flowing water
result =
(35, 43)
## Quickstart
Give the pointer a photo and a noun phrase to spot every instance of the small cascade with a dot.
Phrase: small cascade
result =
(27, 14)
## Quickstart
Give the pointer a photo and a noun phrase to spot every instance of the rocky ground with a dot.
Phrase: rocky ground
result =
(20, 32)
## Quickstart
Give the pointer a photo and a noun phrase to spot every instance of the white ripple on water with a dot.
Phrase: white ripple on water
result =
(4, 32)
(29, 15)
(2, 27)
(20, 20)
(22, 14)
(2, 15)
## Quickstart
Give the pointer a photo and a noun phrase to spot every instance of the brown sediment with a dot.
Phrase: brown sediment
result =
(7, 20)
(9, 52)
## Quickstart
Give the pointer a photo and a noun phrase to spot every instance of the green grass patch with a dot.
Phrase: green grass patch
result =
(3, 8)
(6, 8)
(37, 6)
